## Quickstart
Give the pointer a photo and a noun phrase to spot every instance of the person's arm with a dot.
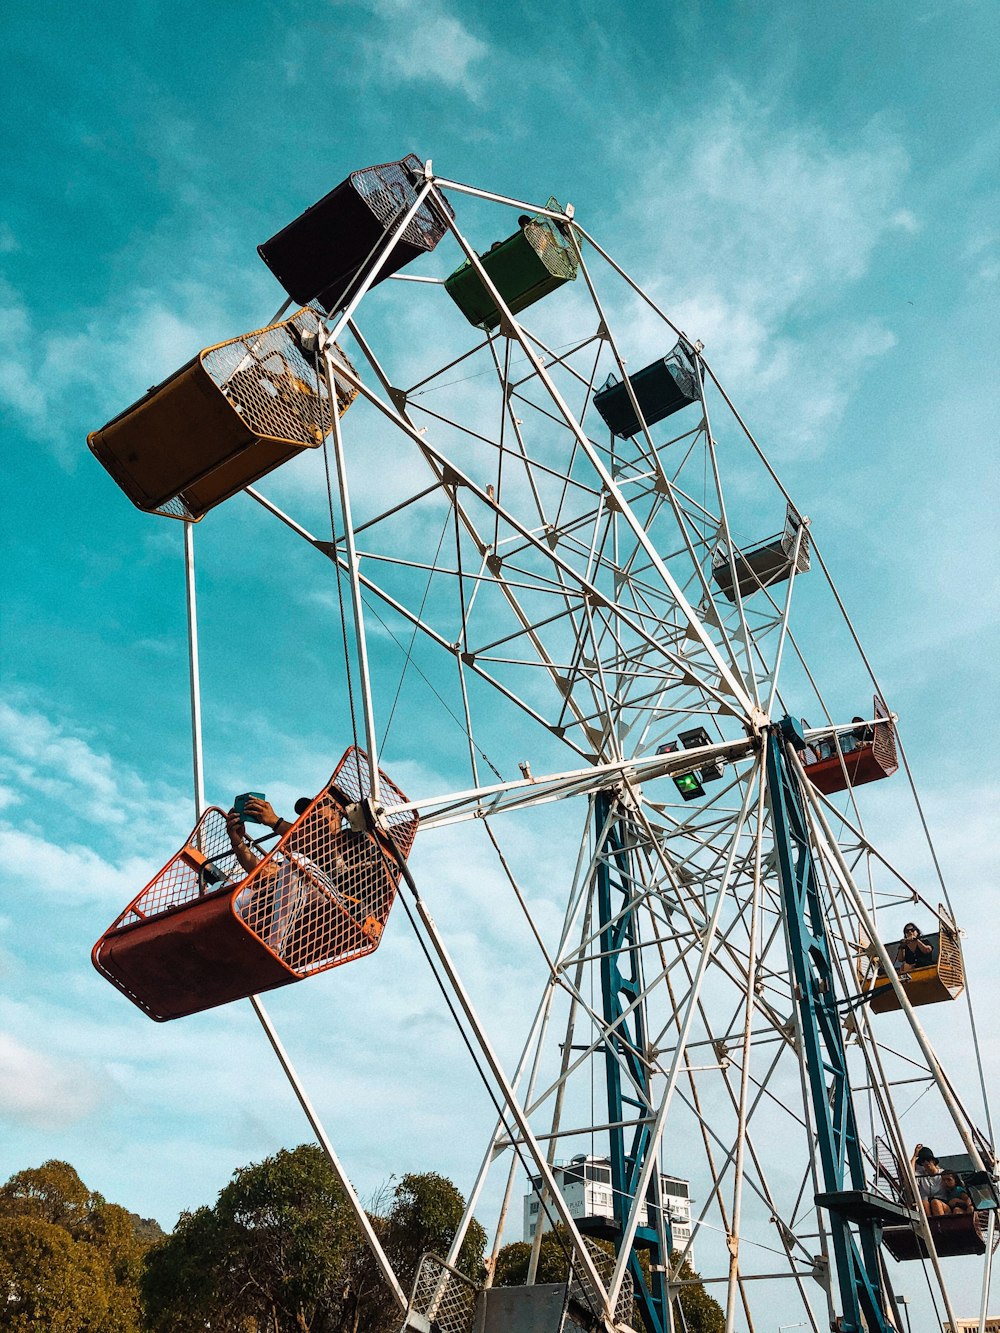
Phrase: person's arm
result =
(924, 948)
(237, 836)
(262, 812)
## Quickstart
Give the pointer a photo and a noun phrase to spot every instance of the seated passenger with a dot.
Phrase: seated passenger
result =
(863, 735)
(955, 1195)
(912, 952)
(930, 1186)
(289, 906)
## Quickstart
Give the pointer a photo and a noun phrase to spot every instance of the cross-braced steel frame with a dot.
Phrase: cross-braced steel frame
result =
(575, 583)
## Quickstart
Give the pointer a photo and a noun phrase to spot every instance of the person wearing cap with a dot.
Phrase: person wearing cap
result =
(930, 1185)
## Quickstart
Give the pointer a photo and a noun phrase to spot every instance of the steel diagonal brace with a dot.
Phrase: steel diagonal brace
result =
(446, 470)
(859, 1271)
(451, 476)
(684, 1028)
(514, 1106)
(610, 485)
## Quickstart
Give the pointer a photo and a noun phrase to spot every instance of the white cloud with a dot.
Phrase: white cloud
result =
(69, 872)
(762, 228)
(64, 799)
(43, 1091)
(58, 384)
(423, 41)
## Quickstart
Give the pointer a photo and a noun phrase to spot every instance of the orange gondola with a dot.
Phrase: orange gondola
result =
(958, 1233)
(203, 932)
(857, 759)
(235, 412)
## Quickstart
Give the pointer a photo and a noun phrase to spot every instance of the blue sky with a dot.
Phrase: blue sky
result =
(812, 193)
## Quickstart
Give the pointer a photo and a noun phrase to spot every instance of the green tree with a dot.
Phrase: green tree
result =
(271, 1254)
(511, 1268)
(69, 1261)
(281, 1252)
(52, 1192)
(700, 1312)
(51, 1281)
(421, 1214)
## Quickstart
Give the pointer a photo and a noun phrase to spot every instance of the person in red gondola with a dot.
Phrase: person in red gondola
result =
(289, 904)
(913, 952)
(266, 908)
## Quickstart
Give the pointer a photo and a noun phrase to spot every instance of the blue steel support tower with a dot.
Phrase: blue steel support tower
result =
(859, 1272)
(621, 985)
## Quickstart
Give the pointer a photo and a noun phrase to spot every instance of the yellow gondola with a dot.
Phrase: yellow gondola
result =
(942, 979)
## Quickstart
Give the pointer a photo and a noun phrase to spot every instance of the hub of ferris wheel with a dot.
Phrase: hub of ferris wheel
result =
(583, 548)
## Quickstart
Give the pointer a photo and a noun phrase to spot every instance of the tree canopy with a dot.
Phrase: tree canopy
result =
(281, 1250)
(69, 1261)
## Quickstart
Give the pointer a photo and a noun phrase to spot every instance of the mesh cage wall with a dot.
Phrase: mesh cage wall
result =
(442, 1296)
(586, 1299)
(326, 252)
(203, 932)
(884, 745)
(951, 969)
(231, 415)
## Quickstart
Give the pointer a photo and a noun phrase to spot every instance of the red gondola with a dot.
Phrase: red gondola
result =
(959, 1233)
(203, 932)
(859, 759)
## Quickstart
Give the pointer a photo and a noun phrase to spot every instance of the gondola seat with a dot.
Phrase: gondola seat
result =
(327, 252)
(660, 389)
(956, 1234)
(761, 566)
(857, 761)
(943, 978)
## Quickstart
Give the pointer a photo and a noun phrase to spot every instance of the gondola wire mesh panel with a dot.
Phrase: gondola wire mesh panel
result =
(661, 389)
(766, 563)
(329, 250)
(583, 1295)
(443, 1299)
(231, 415)
(204, 932)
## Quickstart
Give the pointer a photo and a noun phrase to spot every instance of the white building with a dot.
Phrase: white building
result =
(585, 1183)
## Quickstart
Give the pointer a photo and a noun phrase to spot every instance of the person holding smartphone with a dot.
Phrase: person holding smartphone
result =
(913, 952)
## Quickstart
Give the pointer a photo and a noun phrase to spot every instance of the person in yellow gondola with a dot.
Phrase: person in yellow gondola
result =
(930, 1183)
(913, 952)
(956, 1197)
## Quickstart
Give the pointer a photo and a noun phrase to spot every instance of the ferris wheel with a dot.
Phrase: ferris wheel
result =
(622, 613)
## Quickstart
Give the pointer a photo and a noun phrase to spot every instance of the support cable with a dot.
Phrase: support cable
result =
(323, 1138)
